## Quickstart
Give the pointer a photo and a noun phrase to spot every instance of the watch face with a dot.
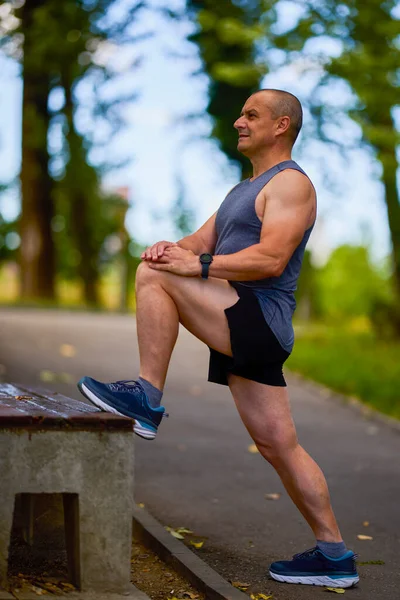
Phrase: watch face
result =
(206, 258)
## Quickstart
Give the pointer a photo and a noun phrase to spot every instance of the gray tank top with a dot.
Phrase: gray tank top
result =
(239, 227)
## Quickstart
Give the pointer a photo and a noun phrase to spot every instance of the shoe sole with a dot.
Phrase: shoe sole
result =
(138, 428)
(323, 580)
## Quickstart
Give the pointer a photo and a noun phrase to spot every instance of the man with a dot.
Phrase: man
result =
(231, 284)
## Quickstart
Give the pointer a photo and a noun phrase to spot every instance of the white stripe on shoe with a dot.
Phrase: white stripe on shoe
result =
(325, 580)
(99, 402)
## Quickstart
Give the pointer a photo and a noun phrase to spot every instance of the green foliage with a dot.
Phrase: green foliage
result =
(349, 286)
(353, 363)
(226, 36)
(307, 294)
(366, 35)
(368, 61)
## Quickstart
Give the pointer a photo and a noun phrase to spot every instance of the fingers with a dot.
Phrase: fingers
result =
(155, 251)
(160, 266)
(161, 260)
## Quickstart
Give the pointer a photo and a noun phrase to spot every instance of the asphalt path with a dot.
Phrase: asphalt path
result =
(199, 472)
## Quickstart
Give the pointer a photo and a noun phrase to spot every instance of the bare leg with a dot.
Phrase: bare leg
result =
(163, 300)
(157, 321)
(265, 411)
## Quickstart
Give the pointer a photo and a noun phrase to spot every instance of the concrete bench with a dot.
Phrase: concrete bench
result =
(51, 444)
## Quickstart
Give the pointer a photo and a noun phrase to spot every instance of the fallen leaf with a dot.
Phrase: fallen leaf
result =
(23, 397)
(366, 523)
(371, 562)
(47, 375)
(38, 591)
(68, 586)
(335, 590)
(272, 496)
(260, 597)
(190, 595)
(183, 530)
(240, 586)
(67, 350)
(252, 449)
(141, 505)
(364, 537)
(174, 533)
(196, 544)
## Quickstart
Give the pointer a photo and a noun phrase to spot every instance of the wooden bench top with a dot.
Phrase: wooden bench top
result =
(30, 407)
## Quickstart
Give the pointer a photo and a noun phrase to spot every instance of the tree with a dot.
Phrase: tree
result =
(59, 45)
(37, 247)
(365, 37)
(227, 34)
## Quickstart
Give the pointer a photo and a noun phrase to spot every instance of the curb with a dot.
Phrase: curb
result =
(149, 531)
(354, 403)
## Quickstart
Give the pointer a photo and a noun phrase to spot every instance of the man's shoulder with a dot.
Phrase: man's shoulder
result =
(290, 180)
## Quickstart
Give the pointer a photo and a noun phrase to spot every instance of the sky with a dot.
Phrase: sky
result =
(161, 145)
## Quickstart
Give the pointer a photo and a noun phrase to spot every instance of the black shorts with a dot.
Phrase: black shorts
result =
(257, 354)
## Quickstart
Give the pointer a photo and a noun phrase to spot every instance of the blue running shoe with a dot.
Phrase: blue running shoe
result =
(313, 567)
(126, 398)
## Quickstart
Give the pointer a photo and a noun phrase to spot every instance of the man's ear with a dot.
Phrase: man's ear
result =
(283, 125)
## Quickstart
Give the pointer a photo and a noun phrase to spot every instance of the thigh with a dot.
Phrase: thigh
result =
(200, 304)
(264, 410)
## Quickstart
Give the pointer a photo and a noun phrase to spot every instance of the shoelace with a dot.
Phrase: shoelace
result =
(133, 386)
(313, 551)
(307, 553)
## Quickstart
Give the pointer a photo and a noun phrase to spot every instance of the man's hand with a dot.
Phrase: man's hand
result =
(179, 261)
(155, 251)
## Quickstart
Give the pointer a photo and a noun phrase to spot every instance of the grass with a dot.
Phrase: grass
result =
(350, 360)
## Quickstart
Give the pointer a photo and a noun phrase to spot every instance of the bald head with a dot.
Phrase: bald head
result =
(285, 104)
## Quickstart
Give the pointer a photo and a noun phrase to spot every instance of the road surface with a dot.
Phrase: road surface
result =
(199, 473)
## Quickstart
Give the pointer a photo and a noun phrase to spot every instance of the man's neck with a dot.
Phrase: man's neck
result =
(265, 162)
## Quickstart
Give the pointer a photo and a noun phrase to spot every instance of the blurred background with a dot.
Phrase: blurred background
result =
(116, 130)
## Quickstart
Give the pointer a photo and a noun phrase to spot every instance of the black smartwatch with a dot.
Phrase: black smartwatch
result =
(206, 260)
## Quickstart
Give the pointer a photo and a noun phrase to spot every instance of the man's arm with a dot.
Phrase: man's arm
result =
(289, 205)
(202, 240)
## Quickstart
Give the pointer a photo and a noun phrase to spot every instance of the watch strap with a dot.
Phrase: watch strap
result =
(205, 267)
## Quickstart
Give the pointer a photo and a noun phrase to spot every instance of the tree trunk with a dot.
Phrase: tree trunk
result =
(82, 220)
(388, 159)
(87, 267)
(37, 256)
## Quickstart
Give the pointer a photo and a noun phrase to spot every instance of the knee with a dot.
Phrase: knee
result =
(145, 275)
(277, 449)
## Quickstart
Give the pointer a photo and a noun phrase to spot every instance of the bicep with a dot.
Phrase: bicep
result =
(287, 213)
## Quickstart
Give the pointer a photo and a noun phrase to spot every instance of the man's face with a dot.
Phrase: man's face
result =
(255, 126)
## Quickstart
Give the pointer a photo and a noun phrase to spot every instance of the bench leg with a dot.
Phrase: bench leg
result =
(6, 520)
(27, 508)
(106, 540)
(71, 528)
